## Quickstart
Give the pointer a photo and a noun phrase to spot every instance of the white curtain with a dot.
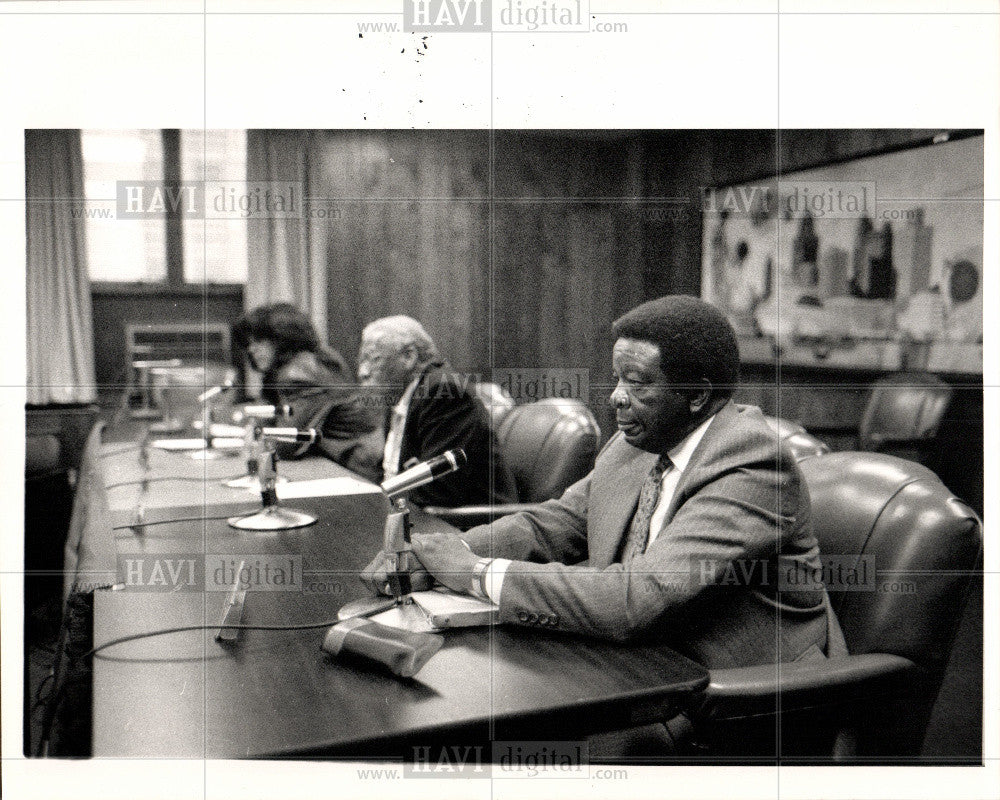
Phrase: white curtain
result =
(286, 256)
(60, 329)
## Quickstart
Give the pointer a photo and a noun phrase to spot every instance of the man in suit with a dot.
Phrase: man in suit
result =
(693, 526)
(431, 409)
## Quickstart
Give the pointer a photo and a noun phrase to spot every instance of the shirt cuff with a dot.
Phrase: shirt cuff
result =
(494, 578)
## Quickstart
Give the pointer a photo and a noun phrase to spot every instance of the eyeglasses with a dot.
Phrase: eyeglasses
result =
(378, 356)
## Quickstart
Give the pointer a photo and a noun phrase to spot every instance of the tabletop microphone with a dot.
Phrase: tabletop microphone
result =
(262, 411)
(425, 472)
(215, 391)
(308, 435)
(401, 563)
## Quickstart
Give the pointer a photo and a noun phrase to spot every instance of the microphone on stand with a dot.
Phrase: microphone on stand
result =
(309, 435)
(215, 391)
(210, 451)
(274, 516)
(252, 417)
(396, 535)
(425, 472)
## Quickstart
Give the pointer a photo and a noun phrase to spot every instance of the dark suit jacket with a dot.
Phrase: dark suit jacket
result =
(322, 394)
(708, 584)
(444, 413)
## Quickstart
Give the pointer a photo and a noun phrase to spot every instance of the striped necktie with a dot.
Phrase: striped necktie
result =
(649, 496)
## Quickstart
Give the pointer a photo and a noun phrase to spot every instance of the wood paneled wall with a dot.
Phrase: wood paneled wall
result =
(582, 226)
(409, 235)
(530, 279)
(568, 248)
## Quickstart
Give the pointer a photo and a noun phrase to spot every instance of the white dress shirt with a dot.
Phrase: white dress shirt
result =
(394, 436)
(680, 456)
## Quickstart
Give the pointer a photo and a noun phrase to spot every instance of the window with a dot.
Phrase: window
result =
(122, 250)
(170, 248)
(215, 249)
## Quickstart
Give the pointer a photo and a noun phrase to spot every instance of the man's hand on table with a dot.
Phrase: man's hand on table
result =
(444, 556)
(375, 577)
(447, 558)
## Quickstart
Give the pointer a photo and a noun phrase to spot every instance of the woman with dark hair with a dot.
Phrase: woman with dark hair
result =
(282, 345)
(279, 342)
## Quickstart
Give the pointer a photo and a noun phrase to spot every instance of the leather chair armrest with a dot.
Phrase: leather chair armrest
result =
(758, 691)
(915, 449)
(465, 517)
(893, 438)
(819, 427)
(880, 441)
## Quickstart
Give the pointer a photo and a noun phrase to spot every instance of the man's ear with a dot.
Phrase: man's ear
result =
(698, 399)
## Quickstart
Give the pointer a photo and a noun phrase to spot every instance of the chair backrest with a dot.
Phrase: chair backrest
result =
(497, 400)
(906, 406)
(549, 445)
(801, 443)
(42, 455)
(918, 542)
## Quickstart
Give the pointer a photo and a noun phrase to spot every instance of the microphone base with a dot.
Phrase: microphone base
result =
(273, 518)
(145, 413)
(250, 482)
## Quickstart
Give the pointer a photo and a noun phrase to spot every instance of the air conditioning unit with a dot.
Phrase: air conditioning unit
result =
(189, 341)
(172, 344)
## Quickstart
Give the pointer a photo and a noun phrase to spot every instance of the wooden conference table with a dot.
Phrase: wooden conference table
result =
(276, 693)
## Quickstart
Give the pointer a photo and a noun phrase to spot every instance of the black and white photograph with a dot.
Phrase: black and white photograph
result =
(468, 400)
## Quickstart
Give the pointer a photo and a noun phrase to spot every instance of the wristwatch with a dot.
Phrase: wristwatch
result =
(478, 584)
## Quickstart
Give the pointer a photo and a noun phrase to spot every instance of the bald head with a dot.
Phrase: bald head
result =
(394, 350)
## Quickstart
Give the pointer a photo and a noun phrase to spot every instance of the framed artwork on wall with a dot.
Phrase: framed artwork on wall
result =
(871, 263)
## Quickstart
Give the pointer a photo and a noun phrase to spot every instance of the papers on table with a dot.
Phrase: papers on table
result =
(325, 487)
(407, 618)
(221, 443)
(439, 609)
(220, 429)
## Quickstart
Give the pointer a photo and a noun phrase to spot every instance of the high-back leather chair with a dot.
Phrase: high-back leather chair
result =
(903, 414)
(548, 445)
(797, 439)
(497, 400)
(918, 546)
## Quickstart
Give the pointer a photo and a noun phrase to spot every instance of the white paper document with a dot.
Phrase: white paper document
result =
(439, 609)
(341, 486)
(220, 443)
